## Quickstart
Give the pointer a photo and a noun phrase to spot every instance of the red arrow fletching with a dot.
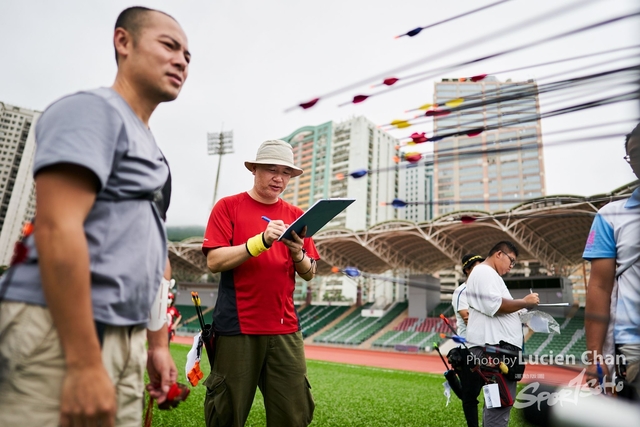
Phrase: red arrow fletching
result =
(309, 104)
(359, 98)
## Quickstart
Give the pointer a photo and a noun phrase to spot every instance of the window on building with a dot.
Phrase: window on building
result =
(510, 182)
(510, 157)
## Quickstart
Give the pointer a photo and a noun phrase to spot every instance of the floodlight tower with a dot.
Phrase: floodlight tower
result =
(219, 144)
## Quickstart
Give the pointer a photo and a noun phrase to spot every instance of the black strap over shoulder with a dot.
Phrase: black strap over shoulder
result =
(161, 197)
(100, 328)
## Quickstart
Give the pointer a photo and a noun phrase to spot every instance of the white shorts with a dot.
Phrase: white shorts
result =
(32, 367)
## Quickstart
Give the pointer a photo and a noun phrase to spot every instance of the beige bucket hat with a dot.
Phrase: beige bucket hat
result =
(275, 152)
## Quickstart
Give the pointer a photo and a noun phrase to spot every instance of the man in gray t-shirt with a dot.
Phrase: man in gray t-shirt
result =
(73, 321)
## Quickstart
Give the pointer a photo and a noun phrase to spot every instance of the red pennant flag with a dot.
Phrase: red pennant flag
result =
(419, 138)
(437, 113)
(309, 104)
(474, 132)
(478, 77)
(465, 219)
(390, 81)
(413, 157)
(359, 98)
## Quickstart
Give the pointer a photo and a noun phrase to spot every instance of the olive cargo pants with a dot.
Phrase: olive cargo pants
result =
(276, 364)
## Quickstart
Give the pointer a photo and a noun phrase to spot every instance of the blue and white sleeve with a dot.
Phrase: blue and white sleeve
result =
(601, 242)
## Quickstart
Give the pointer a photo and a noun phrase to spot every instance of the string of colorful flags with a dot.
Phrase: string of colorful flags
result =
(516, 95)
(418, 30)
(454, 154)
(565, 93)
(532, 21)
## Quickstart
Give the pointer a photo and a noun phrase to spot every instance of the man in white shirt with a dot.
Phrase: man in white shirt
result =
(471, 382)
(493, 316)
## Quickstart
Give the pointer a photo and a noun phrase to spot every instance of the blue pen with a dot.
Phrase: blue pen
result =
(266, 218)
(600, 376)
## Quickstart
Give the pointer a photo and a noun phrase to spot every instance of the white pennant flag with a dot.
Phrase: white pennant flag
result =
(447, 391)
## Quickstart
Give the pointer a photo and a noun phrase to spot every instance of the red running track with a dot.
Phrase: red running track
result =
(548, 374)
(554, 375)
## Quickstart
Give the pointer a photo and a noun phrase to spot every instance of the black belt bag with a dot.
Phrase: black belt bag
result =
(512, 359)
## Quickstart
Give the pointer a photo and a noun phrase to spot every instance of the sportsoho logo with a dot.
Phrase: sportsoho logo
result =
(578, 387)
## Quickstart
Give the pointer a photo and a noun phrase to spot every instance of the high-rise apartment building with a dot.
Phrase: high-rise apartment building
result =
(498, 168)
(416, 188)
(329, 153)
(17, 191)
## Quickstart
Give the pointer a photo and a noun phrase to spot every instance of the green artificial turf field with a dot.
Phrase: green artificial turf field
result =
(345, 395)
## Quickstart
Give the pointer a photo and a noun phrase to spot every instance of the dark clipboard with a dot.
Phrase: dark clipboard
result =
(317, 216)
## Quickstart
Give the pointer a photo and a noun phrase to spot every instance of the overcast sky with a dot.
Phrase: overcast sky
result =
(253, 59)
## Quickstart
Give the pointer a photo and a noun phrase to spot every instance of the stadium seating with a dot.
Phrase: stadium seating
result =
(429, 324)
(432, 324)
(416, 332)
(570, 343)
(393, 339)
(355, 329)
(578, 348)
(312, 318)
(534, 342)
(315, 317)
(443, 308)
(406, 324)
(187, 312)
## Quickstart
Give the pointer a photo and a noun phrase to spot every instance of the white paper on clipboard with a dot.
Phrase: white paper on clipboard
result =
(317, 216)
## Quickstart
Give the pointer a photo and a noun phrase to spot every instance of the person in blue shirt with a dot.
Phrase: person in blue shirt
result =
(613, 247)
(471, 382)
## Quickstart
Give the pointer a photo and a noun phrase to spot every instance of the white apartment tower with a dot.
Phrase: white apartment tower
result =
(495, 169)
(17, 190)
(416, 188)
(328, 154)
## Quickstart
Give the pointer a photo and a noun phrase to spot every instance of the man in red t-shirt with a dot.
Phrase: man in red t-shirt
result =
(258, 338)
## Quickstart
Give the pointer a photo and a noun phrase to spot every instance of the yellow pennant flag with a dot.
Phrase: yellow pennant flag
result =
(400, 124)
(454, 102)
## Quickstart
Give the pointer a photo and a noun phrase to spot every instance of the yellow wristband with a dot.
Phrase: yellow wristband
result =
(255, 245)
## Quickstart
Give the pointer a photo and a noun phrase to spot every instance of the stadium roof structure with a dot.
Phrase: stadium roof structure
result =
(551, 230)
(187, 256)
